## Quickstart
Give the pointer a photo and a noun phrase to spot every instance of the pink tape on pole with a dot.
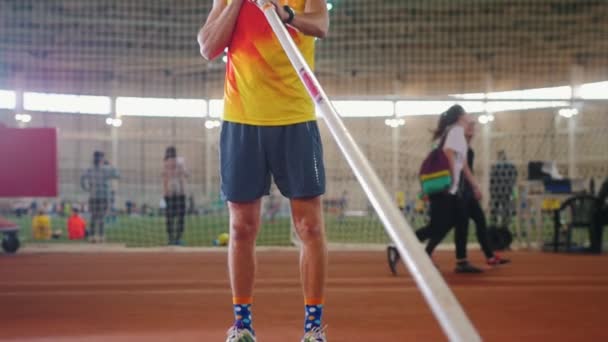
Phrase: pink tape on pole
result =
(28, 162)
(309, 83)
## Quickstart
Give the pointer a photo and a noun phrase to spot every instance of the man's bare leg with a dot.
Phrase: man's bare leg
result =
(308, 220)
(244, 227)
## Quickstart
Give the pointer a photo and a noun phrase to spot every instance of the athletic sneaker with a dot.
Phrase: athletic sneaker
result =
(315, 335)
(497, 260)
(236, 334)
(393, 259)
(465, 267)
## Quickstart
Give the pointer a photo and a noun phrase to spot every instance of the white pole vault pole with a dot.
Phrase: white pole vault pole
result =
(440, 298)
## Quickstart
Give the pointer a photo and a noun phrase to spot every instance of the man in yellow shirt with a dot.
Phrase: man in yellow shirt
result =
(269, 130)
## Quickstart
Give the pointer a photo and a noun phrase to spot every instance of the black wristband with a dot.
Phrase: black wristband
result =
(291, 13)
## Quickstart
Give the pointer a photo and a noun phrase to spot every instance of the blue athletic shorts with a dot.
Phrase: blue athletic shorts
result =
(250, 155)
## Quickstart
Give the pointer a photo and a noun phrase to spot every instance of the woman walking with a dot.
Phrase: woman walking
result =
(448, 207)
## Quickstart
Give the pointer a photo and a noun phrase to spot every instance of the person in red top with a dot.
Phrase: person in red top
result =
(76, 226)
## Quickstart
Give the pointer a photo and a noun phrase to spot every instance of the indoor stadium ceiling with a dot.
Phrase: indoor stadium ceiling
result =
(375, 46)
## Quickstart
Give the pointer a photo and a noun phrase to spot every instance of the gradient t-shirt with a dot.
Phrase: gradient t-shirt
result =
(262, 88)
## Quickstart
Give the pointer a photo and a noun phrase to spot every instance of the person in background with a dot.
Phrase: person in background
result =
(76, 226)
(600, 219)
(473, 207)
(130, 207)
(53, 208)
(67, 209)
(41, 226)
(96, 181)
(192, 205)
(20, 208)
(448, 208)
(33, 208)
(273, 205)
(174, 184)
(111, 217)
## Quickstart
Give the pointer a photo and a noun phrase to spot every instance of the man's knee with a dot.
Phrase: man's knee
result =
(244, 230)
(309, 229)
(244, 221)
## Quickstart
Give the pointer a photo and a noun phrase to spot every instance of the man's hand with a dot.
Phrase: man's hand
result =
(477, 192)
(314, 21)
(280, 10)
(277, 6)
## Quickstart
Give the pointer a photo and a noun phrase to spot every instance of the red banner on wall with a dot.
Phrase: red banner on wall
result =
(28, 162)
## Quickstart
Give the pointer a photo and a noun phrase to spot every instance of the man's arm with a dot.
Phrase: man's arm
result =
(603, 194)
(468, 175)
(165, 184)
(216, 33)
(471, 179)
(114, 174)
(84, 181)
(184, 172)
(313, 22)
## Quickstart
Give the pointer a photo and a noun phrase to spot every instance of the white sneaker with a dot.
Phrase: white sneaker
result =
(315, 335)
(236, 334)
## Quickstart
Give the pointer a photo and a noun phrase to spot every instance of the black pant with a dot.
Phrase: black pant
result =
(447, 211)
(475, 213)
(98, 208)
(600, 219)
(175, 212)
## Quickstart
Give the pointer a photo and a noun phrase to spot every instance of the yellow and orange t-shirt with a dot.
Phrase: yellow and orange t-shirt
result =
(262, 88)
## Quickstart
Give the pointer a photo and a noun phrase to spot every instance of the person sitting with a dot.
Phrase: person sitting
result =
(41, 226)
(76, 226)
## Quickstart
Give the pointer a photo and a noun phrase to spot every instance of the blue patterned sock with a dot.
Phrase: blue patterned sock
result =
(314, 315)
(243, 317)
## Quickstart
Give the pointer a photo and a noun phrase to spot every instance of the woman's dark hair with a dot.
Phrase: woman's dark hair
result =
(170, 152)
(98, 157)
(447, 119)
